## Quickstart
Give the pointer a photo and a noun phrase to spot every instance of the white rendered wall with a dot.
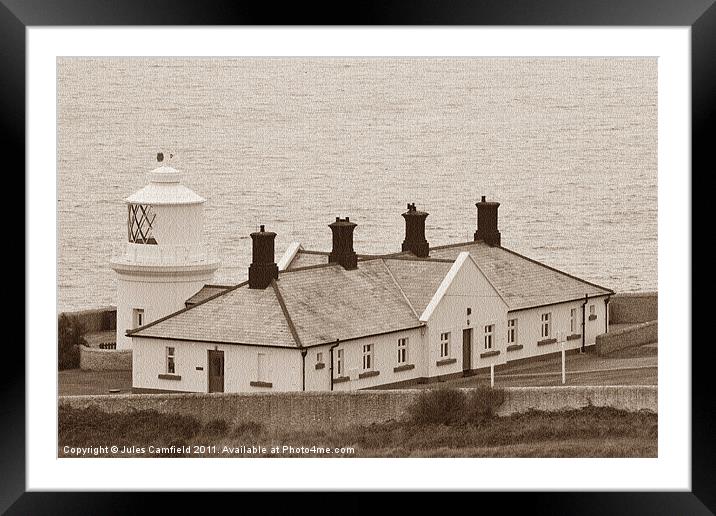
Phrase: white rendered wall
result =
(469, 289)
(529, 321)
(283, 366)
(157, 295)
(385, 358)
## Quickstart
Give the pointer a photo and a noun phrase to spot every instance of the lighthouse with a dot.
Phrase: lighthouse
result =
(165, 259)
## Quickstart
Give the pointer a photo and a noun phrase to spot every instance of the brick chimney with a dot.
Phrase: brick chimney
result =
(415, 232)
(263, 268)
(342, 252)
(487, 228)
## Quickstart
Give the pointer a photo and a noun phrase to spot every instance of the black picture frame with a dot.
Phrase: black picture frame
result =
(700, 15)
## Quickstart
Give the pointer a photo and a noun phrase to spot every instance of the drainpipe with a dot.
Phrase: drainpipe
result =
(606, 315)
(330, 350)
(304, 352)
(584, 323)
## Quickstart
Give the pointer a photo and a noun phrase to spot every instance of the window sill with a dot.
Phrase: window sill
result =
(341, 379)
(320, 365)
(260, 384)
(404, 367)
(546, 341)
(514, 347)
(446, 361)
(169, 377)
(592, 317)
(574, 336)
(488, 354)
(368, 374)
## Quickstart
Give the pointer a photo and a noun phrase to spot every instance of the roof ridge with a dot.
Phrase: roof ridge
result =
(418, 259)
(309, 251)
(390, 273)
(306, 267)
(458, 244)
(187, 308)
(554, 269)
(287, 316)
(378, 256)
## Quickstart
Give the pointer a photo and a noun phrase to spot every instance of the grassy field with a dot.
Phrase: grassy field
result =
(467, 430)
(75, 382)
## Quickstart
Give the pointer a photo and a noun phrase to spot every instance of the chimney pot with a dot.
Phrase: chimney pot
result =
(487, 222)
(342, 252)
(415, 241)
(263, 268)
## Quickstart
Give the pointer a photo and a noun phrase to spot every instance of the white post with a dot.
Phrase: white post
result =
(561, 338)
(492, 375)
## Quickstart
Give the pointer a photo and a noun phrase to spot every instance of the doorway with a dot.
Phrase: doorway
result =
(466, 351)
(216, 371)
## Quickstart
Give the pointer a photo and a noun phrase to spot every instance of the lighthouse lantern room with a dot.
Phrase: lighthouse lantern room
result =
(165, 259)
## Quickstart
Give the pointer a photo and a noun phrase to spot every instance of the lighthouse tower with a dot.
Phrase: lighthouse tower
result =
(165, 259)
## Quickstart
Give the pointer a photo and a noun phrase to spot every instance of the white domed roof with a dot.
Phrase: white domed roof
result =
(164, 188)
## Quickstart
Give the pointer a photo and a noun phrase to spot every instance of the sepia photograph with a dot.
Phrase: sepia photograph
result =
(344, 257)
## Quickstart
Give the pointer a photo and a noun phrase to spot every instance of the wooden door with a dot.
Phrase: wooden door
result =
(216, 371)
(466, 350)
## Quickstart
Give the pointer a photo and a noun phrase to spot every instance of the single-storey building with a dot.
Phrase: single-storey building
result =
(338, 320)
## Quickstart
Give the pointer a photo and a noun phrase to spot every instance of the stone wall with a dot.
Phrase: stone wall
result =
(330, 410)
(95, 359)
(636, 307)
(635, 335)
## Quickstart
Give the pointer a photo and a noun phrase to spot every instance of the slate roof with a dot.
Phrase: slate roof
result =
(307, 259)
(418, 279)
(305, 307)
(321, 302)
(521, 281)
(206, 292)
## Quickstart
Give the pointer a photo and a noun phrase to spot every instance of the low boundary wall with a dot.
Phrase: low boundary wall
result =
(636, 307)
(628, 337)
(331, 410)
(95, 359)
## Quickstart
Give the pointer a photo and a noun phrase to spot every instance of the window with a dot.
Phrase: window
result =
(402, 351)
(140, 224)
(511, 331)
(138, 317)
(546, 326)
(340, 366)
(573, 320)
(592, 310)
(469, 311)
(261, 367)
(319, 358)
(170, 361)
(367, 357)
(489, 330)
(444, 345)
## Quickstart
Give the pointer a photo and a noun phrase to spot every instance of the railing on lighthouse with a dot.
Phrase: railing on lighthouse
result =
(162, 254)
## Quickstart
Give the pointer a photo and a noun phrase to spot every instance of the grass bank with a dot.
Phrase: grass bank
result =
(446, 424)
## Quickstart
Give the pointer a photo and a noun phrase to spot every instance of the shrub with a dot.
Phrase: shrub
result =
(216, 428)
(440, 406)
(455, 406)
(247, 428)
(482, 403)
(69, 340)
